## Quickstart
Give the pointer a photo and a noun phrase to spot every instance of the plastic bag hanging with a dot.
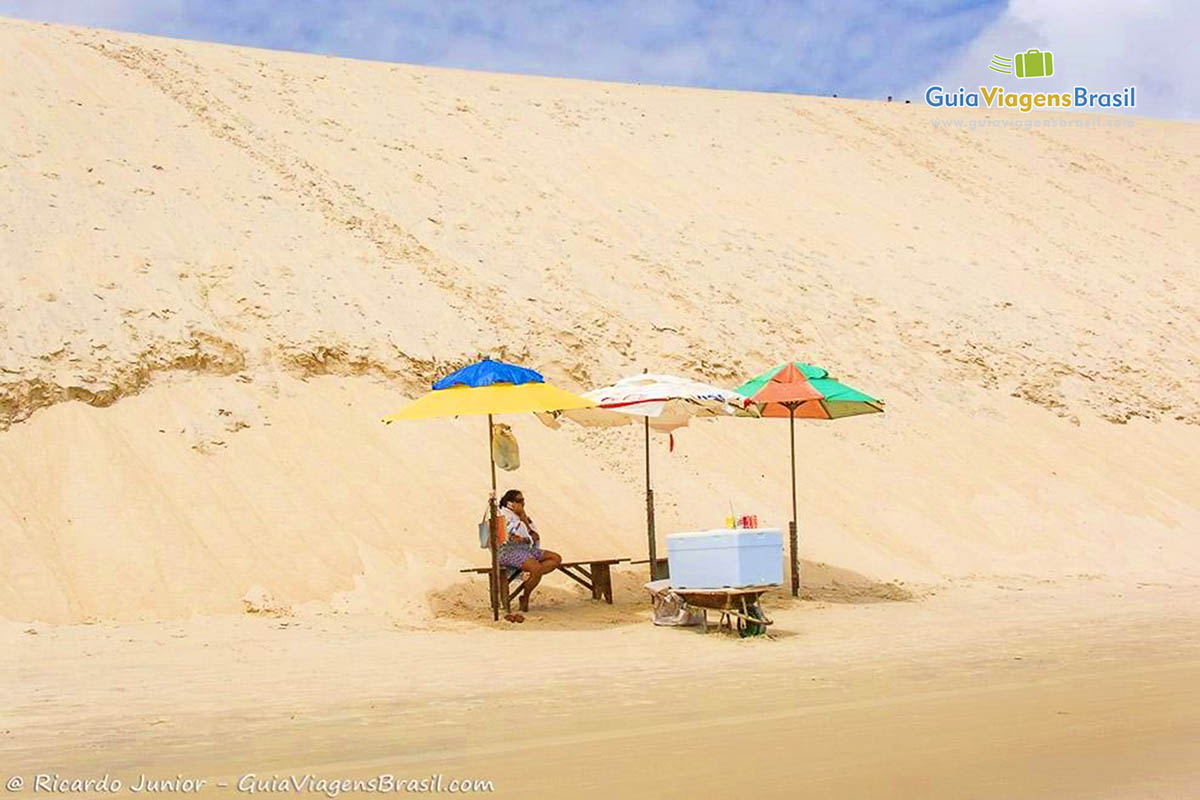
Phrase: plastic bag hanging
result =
(504, 448)
(500, 534)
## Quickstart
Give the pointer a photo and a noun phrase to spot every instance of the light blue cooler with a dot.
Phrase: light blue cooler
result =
(725, 558)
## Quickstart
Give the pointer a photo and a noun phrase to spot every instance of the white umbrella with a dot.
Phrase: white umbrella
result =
(662, 402)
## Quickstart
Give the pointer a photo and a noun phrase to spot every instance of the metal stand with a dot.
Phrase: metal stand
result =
(793, 536)
(500, 595)
(794, 546)
(652, 544)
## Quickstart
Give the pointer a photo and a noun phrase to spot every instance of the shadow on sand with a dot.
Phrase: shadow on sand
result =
(560, 604)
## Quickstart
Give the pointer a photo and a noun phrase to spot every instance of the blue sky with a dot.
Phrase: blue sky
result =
(853, 48)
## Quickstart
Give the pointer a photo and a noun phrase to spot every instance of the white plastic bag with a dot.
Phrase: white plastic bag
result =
(669, 608)
(504, 448)
(501, 535)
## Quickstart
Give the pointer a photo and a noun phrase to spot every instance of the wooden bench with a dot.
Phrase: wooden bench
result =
(593, 574)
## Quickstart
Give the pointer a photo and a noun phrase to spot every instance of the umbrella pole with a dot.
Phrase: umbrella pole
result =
(499, 588)
(793, 536)
(650, 538)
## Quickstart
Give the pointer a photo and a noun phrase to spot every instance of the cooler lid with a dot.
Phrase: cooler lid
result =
(719, 538)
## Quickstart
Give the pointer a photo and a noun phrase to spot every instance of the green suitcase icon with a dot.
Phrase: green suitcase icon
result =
(1034, 63)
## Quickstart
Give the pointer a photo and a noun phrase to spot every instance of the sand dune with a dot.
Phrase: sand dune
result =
(223, 265)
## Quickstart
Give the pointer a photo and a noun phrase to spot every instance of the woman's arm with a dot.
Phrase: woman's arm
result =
(514, 525)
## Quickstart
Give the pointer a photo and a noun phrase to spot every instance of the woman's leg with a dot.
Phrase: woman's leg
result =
(550, 560)
(535, 570)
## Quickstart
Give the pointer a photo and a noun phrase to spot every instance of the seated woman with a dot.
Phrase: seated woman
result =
(520, 550)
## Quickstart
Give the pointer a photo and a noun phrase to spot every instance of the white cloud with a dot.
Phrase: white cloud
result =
(865, 48)
(1102, 44)
(856, 48)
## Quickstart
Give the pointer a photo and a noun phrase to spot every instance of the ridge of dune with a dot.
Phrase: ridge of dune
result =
(217, 251)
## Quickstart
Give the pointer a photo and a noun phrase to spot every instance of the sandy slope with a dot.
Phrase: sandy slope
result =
(234, 261)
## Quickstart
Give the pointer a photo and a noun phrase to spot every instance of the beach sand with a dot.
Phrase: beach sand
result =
(222, 266)
(1083, 688)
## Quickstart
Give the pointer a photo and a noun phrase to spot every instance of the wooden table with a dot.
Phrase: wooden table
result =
(593, 574)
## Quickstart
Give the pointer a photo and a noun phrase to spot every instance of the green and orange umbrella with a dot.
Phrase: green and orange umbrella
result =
(796, 389)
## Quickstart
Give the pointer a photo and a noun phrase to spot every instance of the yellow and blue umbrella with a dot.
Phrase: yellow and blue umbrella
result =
(490, 387)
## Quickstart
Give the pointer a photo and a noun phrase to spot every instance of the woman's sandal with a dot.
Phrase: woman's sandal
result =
(514, 618)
